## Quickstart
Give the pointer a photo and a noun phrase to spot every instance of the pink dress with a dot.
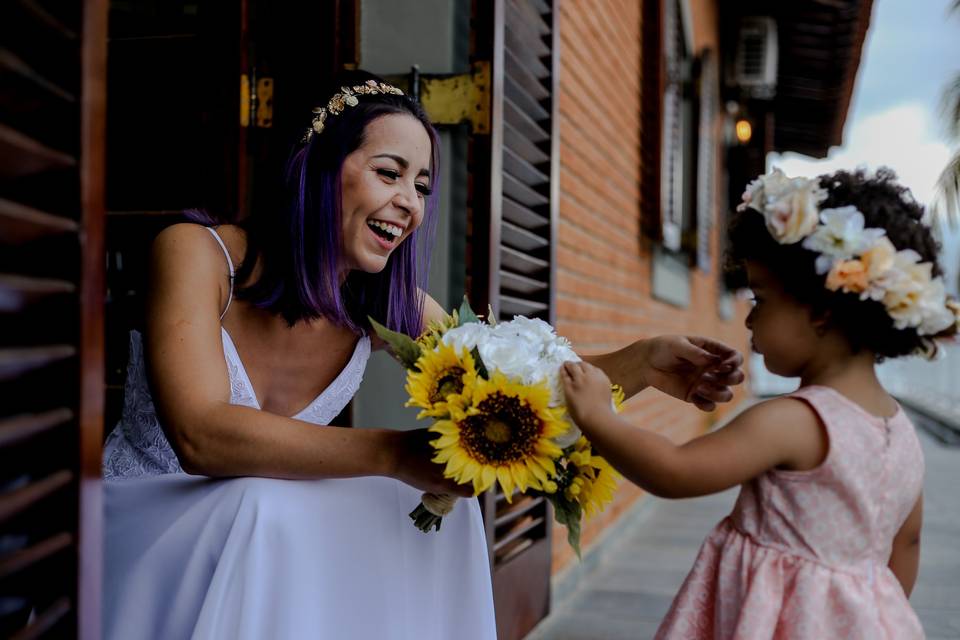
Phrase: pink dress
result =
(804, 553)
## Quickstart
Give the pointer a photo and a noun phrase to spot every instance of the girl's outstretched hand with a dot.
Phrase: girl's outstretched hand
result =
(587, 392)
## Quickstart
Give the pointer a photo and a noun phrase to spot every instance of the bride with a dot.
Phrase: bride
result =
(229, 512)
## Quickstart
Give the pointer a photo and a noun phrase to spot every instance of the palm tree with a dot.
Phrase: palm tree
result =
(948, 184)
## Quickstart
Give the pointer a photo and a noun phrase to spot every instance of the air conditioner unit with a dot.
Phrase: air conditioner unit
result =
(755, 61)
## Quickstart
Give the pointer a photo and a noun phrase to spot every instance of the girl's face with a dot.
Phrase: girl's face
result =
(783, 329)
(384, 185)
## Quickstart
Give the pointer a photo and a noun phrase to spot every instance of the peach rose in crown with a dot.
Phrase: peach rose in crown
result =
(795, 215)
(850, 276)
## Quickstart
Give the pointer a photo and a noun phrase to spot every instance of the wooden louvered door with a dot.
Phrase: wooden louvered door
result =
(52, 73)
(511, 256)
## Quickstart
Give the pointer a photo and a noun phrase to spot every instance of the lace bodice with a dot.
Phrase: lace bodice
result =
(137, 446)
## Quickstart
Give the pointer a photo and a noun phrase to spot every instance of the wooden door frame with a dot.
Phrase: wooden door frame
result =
(92, 291)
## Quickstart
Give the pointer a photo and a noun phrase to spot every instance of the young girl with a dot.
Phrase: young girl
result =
(824, 539)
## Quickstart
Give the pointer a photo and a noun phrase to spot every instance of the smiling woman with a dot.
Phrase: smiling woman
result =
(232, 380)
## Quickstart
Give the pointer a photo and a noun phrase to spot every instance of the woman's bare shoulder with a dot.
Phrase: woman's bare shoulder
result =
(186, 256)
(189, 246)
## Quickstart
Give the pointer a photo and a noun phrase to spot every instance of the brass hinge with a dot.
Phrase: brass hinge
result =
(265, 103)
(256, 100)
(244, 100)
(459, 98)
(453, 99)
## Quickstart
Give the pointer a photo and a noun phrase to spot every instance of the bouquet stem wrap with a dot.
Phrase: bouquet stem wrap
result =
(429, 513)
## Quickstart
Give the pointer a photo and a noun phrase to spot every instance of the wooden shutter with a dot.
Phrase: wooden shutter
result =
(52, 71)
(651, 117)
(672, 158)
(709, 98)
(511, 256)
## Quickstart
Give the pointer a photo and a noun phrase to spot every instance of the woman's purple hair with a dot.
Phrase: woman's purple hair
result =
(299, 243)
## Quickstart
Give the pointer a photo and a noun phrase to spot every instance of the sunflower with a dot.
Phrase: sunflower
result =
(430, 337)
(504, 435)
(443, 380)
(618, 397)
(587, 479)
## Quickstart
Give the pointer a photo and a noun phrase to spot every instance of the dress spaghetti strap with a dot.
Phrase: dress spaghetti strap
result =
(226, 253)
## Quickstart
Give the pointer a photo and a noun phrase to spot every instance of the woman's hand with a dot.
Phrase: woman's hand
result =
(413, 465)
(694, 369)
(587, 392)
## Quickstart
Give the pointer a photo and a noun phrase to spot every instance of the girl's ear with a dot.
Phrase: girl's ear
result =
(820, 321)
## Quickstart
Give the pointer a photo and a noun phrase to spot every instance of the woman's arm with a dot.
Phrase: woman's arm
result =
(693, 369)
(905, 553)
(191, 389)
(783, 432)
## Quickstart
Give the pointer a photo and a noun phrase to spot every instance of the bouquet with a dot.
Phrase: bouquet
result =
(494, 393)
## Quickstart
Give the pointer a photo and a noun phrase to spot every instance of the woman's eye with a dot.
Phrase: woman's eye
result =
(389, 173)
(424, 189)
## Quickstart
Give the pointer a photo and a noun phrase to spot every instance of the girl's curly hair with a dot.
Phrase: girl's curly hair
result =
(885, 204)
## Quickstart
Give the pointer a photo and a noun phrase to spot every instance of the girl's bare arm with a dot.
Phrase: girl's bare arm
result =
(905, 553)
(784, 432)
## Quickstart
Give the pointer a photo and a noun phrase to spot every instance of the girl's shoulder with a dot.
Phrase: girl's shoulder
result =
(796, 426)
(790, 409)
(830, 402)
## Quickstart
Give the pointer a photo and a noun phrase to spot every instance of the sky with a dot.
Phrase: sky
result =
(895, 120)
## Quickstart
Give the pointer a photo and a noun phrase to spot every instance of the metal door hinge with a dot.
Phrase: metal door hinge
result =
(453, 99)
(256, 99)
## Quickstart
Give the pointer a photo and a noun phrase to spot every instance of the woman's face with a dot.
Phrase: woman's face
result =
(384, 184)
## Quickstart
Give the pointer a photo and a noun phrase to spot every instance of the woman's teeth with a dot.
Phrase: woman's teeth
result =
(386, 227)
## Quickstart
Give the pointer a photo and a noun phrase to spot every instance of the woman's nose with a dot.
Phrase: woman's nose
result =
(408, 199)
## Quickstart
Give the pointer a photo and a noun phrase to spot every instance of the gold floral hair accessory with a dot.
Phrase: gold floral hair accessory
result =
(347, 97)
(854, 258)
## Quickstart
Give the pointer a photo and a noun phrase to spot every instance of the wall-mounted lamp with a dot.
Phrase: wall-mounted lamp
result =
(744, 131)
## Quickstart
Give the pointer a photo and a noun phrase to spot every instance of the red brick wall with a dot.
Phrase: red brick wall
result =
(604, 270)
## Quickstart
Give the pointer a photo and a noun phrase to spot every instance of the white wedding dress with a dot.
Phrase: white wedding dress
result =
(267, 559)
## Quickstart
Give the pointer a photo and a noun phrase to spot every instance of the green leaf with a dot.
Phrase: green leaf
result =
(481, 368)
(403, 346)
(466, 313)
(568, 513)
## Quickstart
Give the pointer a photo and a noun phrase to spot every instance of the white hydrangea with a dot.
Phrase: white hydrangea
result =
(467, 336)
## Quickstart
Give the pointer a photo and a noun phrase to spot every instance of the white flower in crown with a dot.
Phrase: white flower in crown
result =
(904, 286)
(937, 316)
(841, 236)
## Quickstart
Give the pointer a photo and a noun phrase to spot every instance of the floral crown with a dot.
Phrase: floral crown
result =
(855, 259)
(347, 97)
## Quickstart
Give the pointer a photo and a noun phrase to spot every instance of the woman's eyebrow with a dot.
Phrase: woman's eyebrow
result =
(402, 162)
